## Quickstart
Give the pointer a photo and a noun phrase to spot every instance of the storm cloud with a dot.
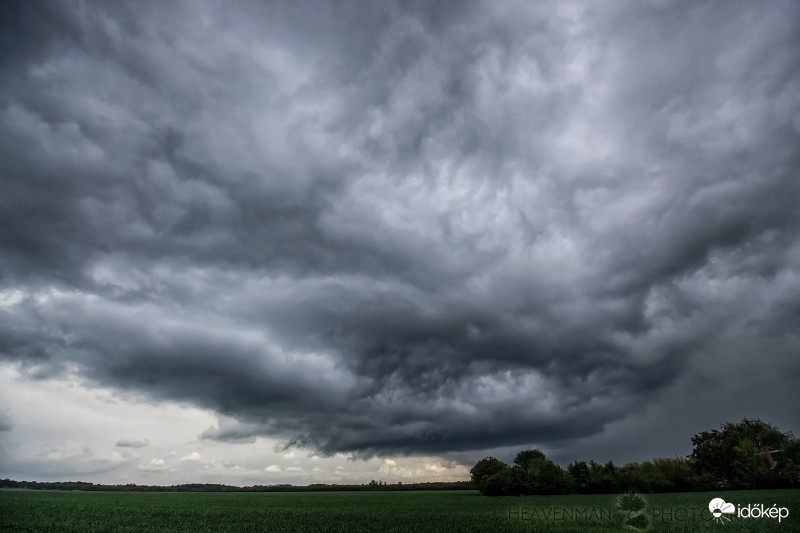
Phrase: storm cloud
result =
(409, 227)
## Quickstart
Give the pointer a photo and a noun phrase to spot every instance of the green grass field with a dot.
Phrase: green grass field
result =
(442, 511)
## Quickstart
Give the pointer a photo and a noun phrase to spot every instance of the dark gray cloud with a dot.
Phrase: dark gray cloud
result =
(6, 420)
(409, 227)
(132, 443)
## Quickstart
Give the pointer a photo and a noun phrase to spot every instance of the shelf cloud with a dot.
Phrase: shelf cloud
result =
(405, 227)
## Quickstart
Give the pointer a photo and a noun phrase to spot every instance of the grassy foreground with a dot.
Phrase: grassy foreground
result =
(442, 511)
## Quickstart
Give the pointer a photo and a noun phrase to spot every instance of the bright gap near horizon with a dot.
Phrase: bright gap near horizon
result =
(65, 431)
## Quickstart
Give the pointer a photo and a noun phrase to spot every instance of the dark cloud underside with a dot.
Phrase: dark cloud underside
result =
(406, 227)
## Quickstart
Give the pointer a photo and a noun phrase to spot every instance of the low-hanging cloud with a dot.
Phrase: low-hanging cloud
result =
(405, 228)
(6, 420)
(132, 443)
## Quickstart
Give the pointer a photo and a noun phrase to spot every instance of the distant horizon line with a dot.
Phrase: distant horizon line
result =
(213, 487)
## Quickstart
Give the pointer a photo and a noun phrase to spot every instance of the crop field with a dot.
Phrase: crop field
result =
(442, 511)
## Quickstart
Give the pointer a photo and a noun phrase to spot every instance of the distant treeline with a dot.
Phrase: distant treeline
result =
(749, 454)
(214, 487)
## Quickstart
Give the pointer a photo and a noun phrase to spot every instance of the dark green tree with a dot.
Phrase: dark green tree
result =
(579, 471)
(735, 455)
(484, 470)
(603, 479)
(502, 483)
(534, 473)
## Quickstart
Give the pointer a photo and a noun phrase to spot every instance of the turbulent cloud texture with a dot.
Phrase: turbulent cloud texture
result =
(411, 227)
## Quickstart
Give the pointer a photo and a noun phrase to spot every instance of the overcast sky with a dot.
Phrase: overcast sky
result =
(258, 242)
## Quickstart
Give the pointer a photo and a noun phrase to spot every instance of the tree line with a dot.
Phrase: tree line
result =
(216, 487)
(750, 454)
